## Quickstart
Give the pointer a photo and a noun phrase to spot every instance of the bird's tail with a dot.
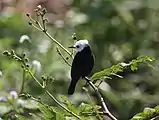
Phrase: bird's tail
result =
(72, 86)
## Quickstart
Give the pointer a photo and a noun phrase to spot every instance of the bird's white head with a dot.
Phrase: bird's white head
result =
(80, 45)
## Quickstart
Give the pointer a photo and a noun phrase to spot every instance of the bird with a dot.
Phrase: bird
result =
(82, 64)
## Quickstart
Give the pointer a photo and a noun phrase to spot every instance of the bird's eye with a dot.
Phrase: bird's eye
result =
(77, 46)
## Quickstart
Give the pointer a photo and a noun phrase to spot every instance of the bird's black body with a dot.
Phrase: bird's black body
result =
(82, 65)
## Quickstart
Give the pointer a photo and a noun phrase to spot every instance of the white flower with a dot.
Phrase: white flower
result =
(13, 94)
(36, 65)
(23, 38)
(1, 73)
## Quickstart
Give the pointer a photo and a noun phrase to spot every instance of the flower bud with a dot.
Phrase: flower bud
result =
(14, 94)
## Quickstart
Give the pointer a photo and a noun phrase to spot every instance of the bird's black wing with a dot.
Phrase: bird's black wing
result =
(75, 73)
(82, 63)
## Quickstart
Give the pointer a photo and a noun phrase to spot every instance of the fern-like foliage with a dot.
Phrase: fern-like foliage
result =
(121, 66)
(148, 114)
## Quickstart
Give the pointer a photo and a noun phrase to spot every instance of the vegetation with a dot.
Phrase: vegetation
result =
(35, 67)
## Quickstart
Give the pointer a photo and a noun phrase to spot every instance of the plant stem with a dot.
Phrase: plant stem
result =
(52, 97)
(62, 56)
(62, 105)
(59, 44)
(105, 109)
(92, 103)
(53, 39)
(23, 81)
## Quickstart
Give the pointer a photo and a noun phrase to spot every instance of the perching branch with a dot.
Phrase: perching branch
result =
(97, 113)
(43, 29)
(105, 109)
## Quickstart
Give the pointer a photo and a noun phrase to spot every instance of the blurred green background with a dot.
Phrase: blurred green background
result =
(118, 31)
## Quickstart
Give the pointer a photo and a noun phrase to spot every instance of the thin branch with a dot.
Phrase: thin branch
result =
(34, 78)
(66, 61)
(106, 111)
(36, 27)
(59, 44)
(39, 101)
(53, 39)
(43, 23)
(23, 81)
(52, 97)
(95, 112)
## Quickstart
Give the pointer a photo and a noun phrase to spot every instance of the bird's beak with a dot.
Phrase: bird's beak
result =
(71, 47)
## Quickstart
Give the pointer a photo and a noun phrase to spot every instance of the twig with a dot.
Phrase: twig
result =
(96, 112)
(66, 61)
(50, 95)
(105, 109)
(39, 101)
(23, 81)
(53, 39)
(43, 29)
(59, 44)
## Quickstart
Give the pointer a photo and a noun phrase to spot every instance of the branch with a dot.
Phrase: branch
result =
(25, 67)
(43, 29)
(105, 109)
(23, 81)
(52, 97)
(96, 112)
(62, 56)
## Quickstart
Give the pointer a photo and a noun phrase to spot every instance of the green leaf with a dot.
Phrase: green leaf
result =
(107, 72)
(134, 67)
(20, 117)
(139, 116)
(49, 114)
(68, 104)
(87, 109)
(65, 100)
(147, 114)
(121, 66)
(157, 108)
(149, 111)
(59, 116)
